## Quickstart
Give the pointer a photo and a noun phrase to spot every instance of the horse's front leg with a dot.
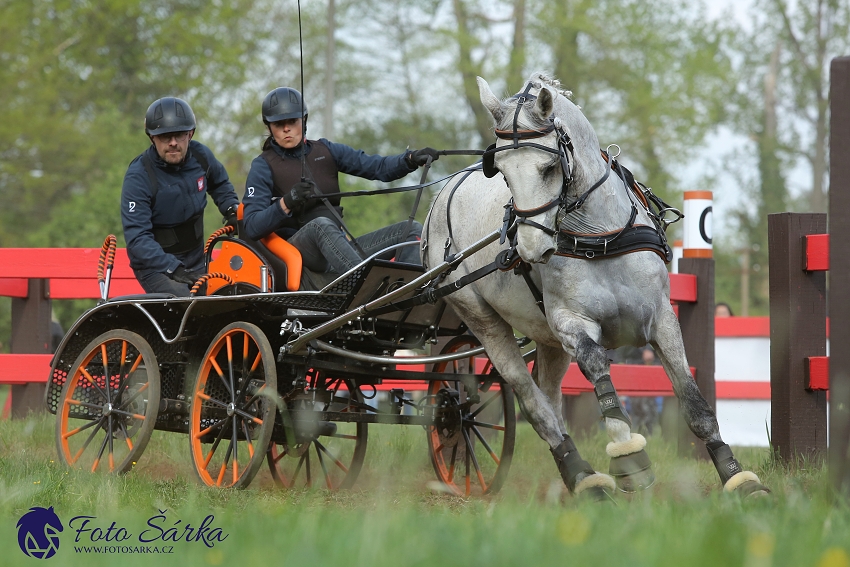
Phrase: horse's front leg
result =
(630, 465)
(695, 409)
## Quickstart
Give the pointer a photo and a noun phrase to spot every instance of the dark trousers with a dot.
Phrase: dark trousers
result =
(325, 247)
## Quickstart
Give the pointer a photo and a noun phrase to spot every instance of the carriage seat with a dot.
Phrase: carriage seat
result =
(283, 258)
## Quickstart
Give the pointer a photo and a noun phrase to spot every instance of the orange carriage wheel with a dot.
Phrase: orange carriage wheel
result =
(322, 454)
(472, 440)
(109, 404)
(233, 407)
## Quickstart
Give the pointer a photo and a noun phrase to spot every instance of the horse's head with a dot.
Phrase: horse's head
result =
(542, 139)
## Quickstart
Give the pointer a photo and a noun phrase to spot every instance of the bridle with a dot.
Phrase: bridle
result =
(566, 155)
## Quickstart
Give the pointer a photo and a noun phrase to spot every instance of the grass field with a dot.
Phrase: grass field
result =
(396, 517)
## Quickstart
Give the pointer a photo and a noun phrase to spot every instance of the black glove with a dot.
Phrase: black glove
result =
(230, 215)
(298, 196)
(420, 157)
(184, 276)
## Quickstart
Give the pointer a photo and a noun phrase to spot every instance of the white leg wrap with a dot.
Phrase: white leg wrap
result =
(740, 479)
(598, 479)
(635, 444)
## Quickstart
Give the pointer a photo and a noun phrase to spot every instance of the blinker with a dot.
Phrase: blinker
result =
(488, 162)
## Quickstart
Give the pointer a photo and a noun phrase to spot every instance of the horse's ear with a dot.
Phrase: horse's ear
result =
(489, 100)
(545, 103)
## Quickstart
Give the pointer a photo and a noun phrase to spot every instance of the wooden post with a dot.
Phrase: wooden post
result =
(797, 331)
(697, 323)
(31, 335)
(839, 274)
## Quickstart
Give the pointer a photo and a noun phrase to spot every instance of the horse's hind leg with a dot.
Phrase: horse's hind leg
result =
(695, 409)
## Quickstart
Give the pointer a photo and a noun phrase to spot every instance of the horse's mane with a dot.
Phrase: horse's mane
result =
(528, 120)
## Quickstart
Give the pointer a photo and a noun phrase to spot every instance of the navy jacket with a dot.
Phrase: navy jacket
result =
(182, 195)
(262, 216)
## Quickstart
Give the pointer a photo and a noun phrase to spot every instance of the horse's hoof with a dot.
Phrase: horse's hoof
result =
(597, 487)
(630, 465)
(747, 485)
(597, 494)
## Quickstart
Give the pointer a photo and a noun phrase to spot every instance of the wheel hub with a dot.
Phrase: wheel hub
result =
(231, 409)
(107, 409)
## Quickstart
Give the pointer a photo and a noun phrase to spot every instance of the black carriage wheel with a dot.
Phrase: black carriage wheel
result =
(233, 407)
(321, 454)
(472, 441)
(108, 406)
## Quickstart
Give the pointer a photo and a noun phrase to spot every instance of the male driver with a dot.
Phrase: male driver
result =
(276, 198)
(163, 199)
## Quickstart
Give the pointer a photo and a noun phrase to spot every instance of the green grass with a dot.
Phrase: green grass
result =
(394, 517)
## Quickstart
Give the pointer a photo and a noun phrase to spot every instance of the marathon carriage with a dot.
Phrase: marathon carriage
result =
(253, 369)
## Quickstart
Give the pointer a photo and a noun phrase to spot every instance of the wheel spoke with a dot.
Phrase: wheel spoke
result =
(485, 425)
(105, 370)
(72, 402)
(126, 435)
(128, 414)
(328, 482)
(486, 445)
(235, 433)
(100, 452)
(220, 373)
(88, 377)
(135, 395)
(489, 401)
(218, 439)
(207, 398)
(88, 440)
(111, 444)
(203, 432)
(343, 436)
(249, 417)
(452, 464)
(304, 457)
(224, 463)
(336, 461)
(470, 451)
(248, 439)
(81, 428)
(229, 340)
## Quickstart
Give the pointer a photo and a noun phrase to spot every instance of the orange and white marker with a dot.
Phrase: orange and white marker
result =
(697, 229)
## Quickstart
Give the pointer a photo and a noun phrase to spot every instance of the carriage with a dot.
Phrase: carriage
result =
(254, 372)
(256, 367)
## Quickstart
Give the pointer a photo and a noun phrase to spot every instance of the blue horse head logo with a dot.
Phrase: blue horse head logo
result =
(38, 532)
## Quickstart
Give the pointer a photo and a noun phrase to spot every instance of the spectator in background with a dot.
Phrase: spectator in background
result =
(644, 411)
(723, 310)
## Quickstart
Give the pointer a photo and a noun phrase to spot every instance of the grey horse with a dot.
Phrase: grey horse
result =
(590, 304)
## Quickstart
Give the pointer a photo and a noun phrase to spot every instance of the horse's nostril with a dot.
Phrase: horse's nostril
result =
(547, 256)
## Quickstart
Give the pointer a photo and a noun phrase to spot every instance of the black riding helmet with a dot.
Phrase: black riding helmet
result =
(167, 115)
(283, 103)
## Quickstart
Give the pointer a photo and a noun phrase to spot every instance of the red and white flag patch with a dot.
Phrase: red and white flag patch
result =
(201, 183)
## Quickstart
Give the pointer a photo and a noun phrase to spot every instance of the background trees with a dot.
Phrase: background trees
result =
(657, 77)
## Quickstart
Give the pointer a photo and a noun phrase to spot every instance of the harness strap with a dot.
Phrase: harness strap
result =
(449, 239)
(431, 295)
(525, 271)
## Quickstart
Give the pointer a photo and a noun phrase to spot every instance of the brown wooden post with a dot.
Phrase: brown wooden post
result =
(839, 274)
(797, 331)
(31, 335)
(697, 323)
